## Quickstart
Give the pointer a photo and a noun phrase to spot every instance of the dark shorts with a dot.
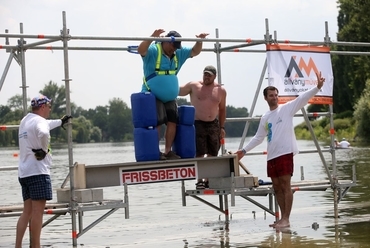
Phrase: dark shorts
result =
(166, 112)
(207, 137)
(36, 187)
(280, 166)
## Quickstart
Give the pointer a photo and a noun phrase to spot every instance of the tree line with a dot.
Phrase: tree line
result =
(109, 123)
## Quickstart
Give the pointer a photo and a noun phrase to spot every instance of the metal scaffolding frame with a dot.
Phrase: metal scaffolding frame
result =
(17, 52)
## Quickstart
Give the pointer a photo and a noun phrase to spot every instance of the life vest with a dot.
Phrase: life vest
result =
(158, 72)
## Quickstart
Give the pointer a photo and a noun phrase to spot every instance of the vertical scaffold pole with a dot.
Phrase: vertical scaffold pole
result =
(21, 42)
(334, 162)
(219, 78)
(65, 37)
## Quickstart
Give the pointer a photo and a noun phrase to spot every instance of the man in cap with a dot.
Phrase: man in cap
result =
(34, 167)
(209, 100)
(161, 63)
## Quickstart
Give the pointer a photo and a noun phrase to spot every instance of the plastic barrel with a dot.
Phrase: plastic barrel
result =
(144, 110)
(186, 115)
(184, 143)
(146, 144)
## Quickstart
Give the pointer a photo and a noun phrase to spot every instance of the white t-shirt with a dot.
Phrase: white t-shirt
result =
(344, 144)
(34, 133)
(277, 125)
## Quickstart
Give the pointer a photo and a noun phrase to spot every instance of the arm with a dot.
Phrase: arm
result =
(303, 99)
(54, 123)
(144, 45)
(222, 113)
(197, 48)
(255, 141)
(185, 89)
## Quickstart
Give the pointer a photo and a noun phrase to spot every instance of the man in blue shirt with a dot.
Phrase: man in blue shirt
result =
(161, 63)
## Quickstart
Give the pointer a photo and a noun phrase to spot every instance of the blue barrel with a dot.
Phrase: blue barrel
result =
(186, 115)
(184, 143)
(146, 144)
(144, 110)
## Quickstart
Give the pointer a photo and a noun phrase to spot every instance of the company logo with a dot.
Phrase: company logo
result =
(302, 71)
(301, 66)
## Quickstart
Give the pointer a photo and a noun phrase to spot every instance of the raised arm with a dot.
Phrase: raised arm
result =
(144, 45)
(197, 48)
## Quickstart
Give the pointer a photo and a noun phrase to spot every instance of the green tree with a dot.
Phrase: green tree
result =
(351, 72)
(95, 134)
(81, 129)
(16, 102)
(182, 101)
(99, 117)
(362, 113)
(235, 129)
(119, 119)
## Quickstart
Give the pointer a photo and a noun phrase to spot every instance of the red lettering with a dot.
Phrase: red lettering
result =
(145, 176)
(169, 173)
(191, 172)
(135, 177)
(156, 175)
(176, 170)
(162, 174)
(153, 175)
(126, 176)
(183, 173)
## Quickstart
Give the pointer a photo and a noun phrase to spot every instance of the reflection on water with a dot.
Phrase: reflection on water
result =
(157, 218)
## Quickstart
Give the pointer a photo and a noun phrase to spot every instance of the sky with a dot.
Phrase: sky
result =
(99, 76)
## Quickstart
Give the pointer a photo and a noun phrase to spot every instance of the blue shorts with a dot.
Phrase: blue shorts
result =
(36, 187)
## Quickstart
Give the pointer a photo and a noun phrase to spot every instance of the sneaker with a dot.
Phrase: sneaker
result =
(206, 184)
(200, 185)
(171, 155)
(162, 156)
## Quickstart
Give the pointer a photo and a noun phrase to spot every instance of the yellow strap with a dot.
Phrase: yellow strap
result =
(158, 66)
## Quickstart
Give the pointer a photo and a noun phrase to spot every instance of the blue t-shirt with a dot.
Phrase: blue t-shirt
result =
(164, 87)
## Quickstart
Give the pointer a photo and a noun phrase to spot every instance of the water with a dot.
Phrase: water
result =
(158, 219)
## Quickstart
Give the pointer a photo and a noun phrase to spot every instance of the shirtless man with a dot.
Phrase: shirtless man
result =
(209, 101)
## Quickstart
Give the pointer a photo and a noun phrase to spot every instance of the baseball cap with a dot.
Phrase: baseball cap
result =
(210, 69)
(173, 33)
(39, 101)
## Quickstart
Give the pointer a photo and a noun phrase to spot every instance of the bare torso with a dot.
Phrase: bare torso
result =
(206, 100)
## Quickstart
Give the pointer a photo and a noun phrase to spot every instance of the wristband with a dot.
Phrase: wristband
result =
(244, 151)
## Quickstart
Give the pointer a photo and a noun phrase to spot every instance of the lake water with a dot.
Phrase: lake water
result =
(158, 219)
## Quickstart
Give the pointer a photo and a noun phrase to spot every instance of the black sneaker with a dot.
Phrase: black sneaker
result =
(206, 184)
(200, 185)
(171, 156)
(162, 156)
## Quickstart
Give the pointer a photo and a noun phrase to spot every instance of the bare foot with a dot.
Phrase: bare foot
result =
(282, 224)
(274, 224)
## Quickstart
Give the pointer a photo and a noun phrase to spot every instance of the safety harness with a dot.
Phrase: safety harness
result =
(158, 72)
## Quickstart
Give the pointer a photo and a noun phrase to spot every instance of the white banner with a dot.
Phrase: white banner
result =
(292, 68)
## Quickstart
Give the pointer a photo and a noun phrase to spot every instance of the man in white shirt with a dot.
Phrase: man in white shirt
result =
(277, 125)
(34, 167)
(344, 143)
